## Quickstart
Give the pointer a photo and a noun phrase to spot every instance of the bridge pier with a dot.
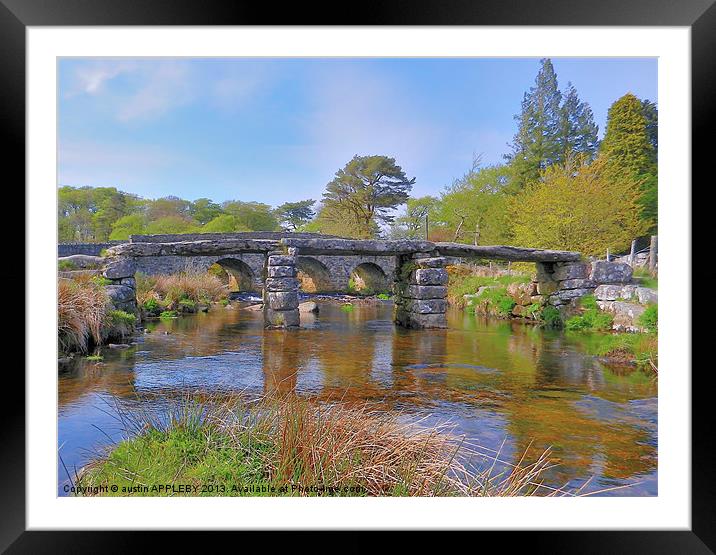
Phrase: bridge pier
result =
(420, 291)
(280, 292)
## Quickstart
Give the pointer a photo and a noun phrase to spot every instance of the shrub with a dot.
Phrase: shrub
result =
(649, 319)
(383, 296)
(551, 317)
(591, 319)
(168, 314)
(65, 265)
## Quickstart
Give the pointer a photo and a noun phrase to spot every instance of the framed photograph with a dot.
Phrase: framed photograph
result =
(400, 272)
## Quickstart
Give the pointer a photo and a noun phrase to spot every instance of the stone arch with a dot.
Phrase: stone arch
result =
(369, 277)
(242, 274)
(313, 275)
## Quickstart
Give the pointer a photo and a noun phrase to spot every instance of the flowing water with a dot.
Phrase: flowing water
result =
(503, 385)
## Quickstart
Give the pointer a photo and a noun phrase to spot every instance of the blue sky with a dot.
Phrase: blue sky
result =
(276, 130)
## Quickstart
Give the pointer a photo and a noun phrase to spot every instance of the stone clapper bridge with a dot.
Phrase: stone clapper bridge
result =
(416, 267)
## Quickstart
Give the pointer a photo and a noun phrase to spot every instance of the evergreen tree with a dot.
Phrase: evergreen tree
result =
(365, 192)
(629, 149)
(537, 145)
(579, 133)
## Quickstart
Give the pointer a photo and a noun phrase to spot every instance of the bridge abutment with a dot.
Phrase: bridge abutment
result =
(280, 294)
(420, 291)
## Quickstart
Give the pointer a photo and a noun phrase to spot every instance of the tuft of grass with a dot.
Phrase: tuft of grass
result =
(94, 358)
(591, 319)
(383, 296)
(649, 319)
(66, 265)
(347, 307)
(168, 315)
(645, 279)
(290, 446)
(185, 287)
(82, 311)
(641, 349)
(551, 317)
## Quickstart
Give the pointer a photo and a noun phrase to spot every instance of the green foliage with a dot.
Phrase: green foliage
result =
(645, 278)
(100, 280)
(365, 192)
(94, 358)
(169, 224)
(224, 302)
(88, 213)
(630, 144)
(168, 314)
(551, 317)
(151, 306)
(412, 224)
(132, 224)
(347, 307)
(475, 208)
(461, 285)
(649, 319)
(591, 319)
(66, 265)
(225, 223)
(187, 305)
(581, 207)
(296, 214)
(255, 216)
(383, 296)
(496, 301)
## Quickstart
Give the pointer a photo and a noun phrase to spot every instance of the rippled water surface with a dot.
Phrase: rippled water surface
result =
(501, 384)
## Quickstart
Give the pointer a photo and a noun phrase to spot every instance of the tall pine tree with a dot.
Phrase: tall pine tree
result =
(629, 145)
(579, 133)
(536, 145)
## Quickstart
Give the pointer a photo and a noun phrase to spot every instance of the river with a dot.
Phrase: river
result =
(502, 384)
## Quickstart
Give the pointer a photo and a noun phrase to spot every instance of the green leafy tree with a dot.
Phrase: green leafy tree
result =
(168, 207)
(474, 208)
(537, 143)
(225, 223)
(412, 224)
(203, 210)
(296, 214)
(254, 216)
(169, 224)
(629, 148)
(365, 192)
(580, 207)
(132, 224)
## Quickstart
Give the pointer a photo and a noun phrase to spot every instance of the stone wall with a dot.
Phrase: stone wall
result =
(91, 249)
(420, 291)
(564, 283)
(281, 290)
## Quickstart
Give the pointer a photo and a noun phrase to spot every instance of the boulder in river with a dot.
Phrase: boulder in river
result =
(308, 306)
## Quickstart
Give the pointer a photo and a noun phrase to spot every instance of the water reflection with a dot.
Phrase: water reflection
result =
(496, 381)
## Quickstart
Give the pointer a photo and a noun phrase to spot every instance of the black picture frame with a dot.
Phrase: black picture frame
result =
(699, 15)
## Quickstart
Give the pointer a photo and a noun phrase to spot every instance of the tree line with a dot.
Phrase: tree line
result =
(559, 187)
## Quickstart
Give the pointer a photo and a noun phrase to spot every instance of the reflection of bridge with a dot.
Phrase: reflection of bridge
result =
(273, 263)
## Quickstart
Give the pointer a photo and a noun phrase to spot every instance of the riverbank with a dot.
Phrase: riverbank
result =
(86, 317)
(290, 446)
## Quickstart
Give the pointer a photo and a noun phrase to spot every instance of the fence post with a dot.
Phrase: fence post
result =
(653, 254)
(426, 227)
(632, 253)
(609, 258)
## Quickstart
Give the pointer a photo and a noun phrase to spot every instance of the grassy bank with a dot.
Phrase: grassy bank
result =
(294, 447)
(464, 280)
(86, 318)
(183, 292)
